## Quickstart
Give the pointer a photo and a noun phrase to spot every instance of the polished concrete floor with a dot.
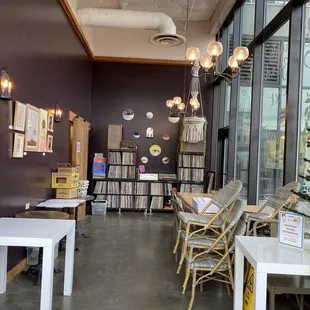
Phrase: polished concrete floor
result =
(127, 264)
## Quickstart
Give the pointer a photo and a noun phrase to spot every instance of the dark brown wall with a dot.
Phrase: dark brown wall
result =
(46, 62)
(142, 88)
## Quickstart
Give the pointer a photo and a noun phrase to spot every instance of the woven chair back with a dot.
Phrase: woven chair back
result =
(282, 195)
(227, 195)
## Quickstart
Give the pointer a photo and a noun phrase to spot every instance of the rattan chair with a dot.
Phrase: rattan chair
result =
(216, 266)
(283, 197)
(201, 244)
(224, 200)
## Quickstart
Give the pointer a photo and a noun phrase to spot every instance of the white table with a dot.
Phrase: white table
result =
(266, 256)
(39, 233)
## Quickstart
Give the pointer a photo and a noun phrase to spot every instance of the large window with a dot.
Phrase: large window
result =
(273, 8)
(273, 112)
(228, 87)
(305, 103)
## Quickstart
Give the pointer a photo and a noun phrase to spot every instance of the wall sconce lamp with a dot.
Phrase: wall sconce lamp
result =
(58, 113)
(5, 84)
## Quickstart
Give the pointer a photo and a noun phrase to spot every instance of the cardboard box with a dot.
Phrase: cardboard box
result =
(199, 203)
(67, 168)
(65, 180)
(66, 193)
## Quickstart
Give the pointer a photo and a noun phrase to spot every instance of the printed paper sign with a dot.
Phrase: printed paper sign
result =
(291, 229)
(78, 146)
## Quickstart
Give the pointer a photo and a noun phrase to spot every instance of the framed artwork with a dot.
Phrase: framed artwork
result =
(50, 122)
(32, 134)
(18, 149)
(115, 136)
(43, 130)
(20, 116)
(49, 144)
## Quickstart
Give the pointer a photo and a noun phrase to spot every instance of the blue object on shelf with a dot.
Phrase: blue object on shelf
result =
(99, 168)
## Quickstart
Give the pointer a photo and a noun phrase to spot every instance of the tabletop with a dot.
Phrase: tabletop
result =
(266, 255)
(61, 203)
(187, 198)
(33, 232)
(53, 215)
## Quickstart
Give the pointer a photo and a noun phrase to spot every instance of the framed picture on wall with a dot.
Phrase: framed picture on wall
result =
(20, 112)
(43, 130)
(49, 144)
(18, 148)
(50, 122)
(32, 133)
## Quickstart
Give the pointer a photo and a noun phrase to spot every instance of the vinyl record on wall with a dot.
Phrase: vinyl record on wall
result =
(165, 160)
(155, 150)
(136, 134)
(149, 115)
(165, 136)
(144, 160)
(128, 114)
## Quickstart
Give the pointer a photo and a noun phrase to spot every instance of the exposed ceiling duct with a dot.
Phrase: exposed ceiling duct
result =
(167, 36)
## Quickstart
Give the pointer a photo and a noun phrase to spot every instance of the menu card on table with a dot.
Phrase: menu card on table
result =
(291, 229)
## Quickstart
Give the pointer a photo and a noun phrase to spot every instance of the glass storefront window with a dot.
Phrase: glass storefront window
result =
(228, 87)
(273, 113)
(273, 8)
(304, 151)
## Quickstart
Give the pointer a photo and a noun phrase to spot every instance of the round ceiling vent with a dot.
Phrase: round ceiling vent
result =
(167, 39)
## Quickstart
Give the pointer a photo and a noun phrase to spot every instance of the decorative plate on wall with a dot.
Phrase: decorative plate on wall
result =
(136, 134)
(149, 115)
(155, 150)
(128, 114)
(165, 160)
(149, 134)
(165, 136)
(144, 160)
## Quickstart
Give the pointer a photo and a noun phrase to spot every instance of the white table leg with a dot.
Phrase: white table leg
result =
(47, 279)
(260, 290)
(239, 271)
(69, 264)
(3, 268)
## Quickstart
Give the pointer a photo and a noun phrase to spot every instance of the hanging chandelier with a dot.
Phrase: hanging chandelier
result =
(210, 62)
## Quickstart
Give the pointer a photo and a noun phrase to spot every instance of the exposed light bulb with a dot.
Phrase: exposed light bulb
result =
(181, 106)
(169, 103)
(215, 49)
(233, 63)
(177, 100)
(192, 53)
(193, 101)
(241, 53)
(206, 62)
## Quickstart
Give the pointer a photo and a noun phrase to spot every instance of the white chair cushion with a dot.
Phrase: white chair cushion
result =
(209, 262)
(207, 243)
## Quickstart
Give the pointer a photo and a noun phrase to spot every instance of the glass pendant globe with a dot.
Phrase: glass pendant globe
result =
(206, 62)
(193, 101)
(215, 49)
(196, 106)
(233, 63)
(241, 53)
(192, 53)
(181, 106)
(177, 100)
(169, 103)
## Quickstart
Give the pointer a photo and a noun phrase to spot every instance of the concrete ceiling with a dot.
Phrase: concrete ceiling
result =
(205, 17)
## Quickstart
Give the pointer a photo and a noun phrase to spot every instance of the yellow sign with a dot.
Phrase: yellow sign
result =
(248, 298)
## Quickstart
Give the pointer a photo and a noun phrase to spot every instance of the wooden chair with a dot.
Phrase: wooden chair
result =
(224, 200)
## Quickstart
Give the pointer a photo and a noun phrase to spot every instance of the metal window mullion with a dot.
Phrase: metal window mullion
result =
(232, 140)
(293, 97)
(256, 105)
(215, 128)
